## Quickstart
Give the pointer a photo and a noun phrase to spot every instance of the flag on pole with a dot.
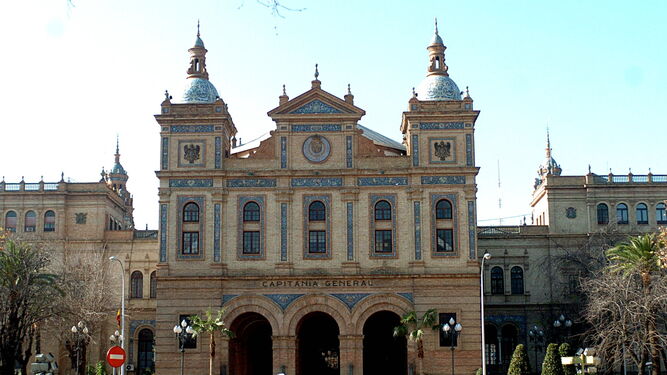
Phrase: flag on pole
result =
(118, 318)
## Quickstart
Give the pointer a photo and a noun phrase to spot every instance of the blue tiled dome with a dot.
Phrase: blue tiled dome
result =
(199, 90)
(438, 87)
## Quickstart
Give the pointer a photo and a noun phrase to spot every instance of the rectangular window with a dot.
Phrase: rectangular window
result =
(251, 242)
(190, 243)
(445, 238)
(317, 241)
(383, 242)
(446, 339)
(190, 341)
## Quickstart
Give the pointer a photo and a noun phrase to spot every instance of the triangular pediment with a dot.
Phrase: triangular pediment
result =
(316, 102)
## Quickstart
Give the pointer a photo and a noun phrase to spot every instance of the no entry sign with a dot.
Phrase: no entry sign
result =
(116, 356)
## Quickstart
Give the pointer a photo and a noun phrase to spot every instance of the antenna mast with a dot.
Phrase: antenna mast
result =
(500, 201)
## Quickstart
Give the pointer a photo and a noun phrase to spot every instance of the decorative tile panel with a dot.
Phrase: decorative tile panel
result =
(407, 296)
(418, 230)
(283, 300)
(165, 153)
(382, 181)
(259, 199)
(192, 128)
(251, 183)
(350, 231)
(283, 232)
(182, 200)
(443, 180)
(373, 199)
(307, 200)
(228, 297)
(218, 152)
(440, 125)
(469, 161)
(455, 233)
(350, 299)
(317, 182)
(415, 150)
(348, 151)
(190, 183)
(316, 106)
(163, 232)
(316, 128)
(216, 232)
(283, 152)
(471, 229)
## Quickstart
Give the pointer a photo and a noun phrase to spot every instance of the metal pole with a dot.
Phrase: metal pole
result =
(481, 298)
(453, 353)
(122, 308)
(182, 354)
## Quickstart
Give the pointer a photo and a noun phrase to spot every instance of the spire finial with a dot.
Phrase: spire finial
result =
(284, 92)
(197, 27)
(436, 25)
(414, 93)
(548, 143)
(117, 143)
(317, 73)
(349, 91)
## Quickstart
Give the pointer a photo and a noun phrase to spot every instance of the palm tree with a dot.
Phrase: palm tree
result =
(210, 325)
(413, 328)
(640, 256)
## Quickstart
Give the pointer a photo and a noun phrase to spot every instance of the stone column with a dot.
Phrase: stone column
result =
(284, 354)
(351, 354)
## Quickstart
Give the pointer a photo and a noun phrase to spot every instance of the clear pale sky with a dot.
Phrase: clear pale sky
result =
(594, 72)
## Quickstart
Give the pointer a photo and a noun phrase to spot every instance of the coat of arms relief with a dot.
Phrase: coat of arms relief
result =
(191, 153)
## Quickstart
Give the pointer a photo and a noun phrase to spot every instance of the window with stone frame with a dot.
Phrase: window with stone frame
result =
(642, 213)
(661, 213)
(317, 241)
(49, 221)
(382, 210)
(603, 213)
(10, 221)
(251, 242)
(444, 227)
(622, 213)
(137, 285)
(30, 222)
(251, 227)
(190, 243)
(497, 281)
(153, 284)
(445, 238)
(251, 212)
(383, 241)
(516, 280)
(316, 226)
(443, 209)
(316, 211)
(191, 213)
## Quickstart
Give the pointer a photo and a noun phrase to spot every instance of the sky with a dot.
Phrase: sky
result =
(77, 74)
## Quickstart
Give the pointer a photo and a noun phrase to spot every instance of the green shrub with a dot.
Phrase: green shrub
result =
(519, 365)
(552, 364)
(565, 350)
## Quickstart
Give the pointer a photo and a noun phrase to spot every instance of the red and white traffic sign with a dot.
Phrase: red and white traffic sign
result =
(116, 356)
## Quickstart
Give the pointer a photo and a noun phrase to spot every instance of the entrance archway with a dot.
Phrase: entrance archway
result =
(318, 347)
(146, 359)
(384, 353)
(251, 351)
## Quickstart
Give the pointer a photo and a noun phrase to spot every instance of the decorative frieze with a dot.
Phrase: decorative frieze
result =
(350, 231)
(415, 150)
(191, 183)
(191, 128)
(440, 125)
(283, 300)
(283, 232)
(469, 161)
(350, 299)
(382, 181)
(216, 231)
(316, 128)
(348, 151)
(418, 233)
(218, 152)
(316, 106)
(283, 152)
(163, 232)
(251, 183)
(443, 180)
(317, 182)
(471, 230)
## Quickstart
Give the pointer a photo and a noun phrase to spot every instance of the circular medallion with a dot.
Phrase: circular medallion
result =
(316, 148)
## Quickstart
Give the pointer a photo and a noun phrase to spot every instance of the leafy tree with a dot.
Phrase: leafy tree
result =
(519, 365)
(210, 325)
(29, 295)
(565, 350)
(552, 364)
(640, 256)
(413, 328)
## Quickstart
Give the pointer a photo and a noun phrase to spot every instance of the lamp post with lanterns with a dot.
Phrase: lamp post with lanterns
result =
(563, 322)
(115, 339)
(536, 336)
(452, 329)
(183, 332)
(81, 338)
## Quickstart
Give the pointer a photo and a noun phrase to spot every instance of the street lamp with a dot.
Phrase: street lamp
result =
(81, 338)
(452, 330)
(486, 256)
(562, 321)
(536, 336)
(122, 306)
(115, 338)
(182, 332)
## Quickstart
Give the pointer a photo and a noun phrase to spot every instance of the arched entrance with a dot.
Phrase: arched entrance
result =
(384, 353)
(509, 340)
(145, 355)
(250, 351)
(317, 345)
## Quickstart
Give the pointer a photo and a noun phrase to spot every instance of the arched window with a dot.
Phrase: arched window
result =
(642, 214)
(497, 281)
(146, 359)
(622, 213)
(10, 221)
(49, 221)
(137, 285)
(603, 214)
(443, 209)
(30, 224)
(517, 280)
(661, 213)
(382, 210)
(491, 334)
(191, 213)
(509, 340)
(316, 211)
(251, 212)
(153, 285)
